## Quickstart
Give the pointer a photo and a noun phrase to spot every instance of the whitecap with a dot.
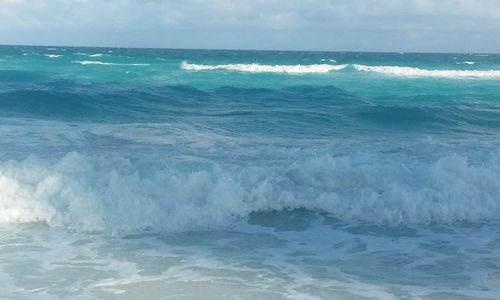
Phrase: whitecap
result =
(258, 68)
(90, 62)
(53, 55)
(417, 72)
(115, 194)
(465, 63)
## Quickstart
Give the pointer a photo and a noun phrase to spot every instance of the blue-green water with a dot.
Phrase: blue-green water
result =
(205, 174)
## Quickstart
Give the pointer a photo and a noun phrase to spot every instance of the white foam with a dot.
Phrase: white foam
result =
(114, 194)
(53, 55)
(258, 68)
(465, 63)
(91, 55)
(416, 72)
(90, 62)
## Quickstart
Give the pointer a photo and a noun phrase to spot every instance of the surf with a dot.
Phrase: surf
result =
(92, 62)
(260, 68)
(418, 72)
(114, 194)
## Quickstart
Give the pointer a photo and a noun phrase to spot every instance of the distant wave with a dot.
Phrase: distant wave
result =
(90, 62)
(408, 71)
(465, 63)
(53, 55)
(325, 68)
(91, 55)
(258, 68)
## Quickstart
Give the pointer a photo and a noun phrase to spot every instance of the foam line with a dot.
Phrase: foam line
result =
(417, 72)
(90, 62)
(258, 68)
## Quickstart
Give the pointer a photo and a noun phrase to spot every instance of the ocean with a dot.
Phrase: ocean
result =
(214, 174)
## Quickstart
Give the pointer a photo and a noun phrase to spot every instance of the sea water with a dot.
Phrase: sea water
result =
(210, 174)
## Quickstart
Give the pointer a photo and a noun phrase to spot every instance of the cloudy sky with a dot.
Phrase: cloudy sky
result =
(357, 25)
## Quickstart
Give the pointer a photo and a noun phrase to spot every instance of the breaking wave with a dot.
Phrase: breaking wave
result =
(326, 68)
(113, 193)
(465, 63)
(409, 71)
(258, 68)
(53, 55)
(91, 62)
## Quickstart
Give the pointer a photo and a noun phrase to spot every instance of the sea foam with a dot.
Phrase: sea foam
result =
(417, 72)
(258, 68)
(465, 63)
(90, 62)
(326, 68)
(53, 55)
(112, 193)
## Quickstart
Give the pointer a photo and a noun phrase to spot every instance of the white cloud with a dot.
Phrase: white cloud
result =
(274, 13)
(274, 19)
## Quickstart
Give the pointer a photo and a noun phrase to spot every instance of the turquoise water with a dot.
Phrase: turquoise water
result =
(205, 174)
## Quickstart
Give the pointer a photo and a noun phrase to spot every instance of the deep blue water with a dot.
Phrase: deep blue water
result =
(193, 174)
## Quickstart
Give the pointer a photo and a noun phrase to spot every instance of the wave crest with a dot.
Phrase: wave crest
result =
(258, 68)
(53, 55)
(466, 63)
(92, 62)
(417, 72)
(115, 194)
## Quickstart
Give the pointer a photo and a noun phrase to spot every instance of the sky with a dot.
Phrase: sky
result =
(332, 25)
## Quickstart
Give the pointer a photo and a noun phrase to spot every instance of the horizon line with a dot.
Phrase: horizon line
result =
(234, 49)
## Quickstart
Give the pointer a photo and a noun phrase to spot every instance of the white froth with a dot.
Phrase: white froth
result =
(258, 68)
(465, 63)
(91, 62)
(408, 71)
(113, 194)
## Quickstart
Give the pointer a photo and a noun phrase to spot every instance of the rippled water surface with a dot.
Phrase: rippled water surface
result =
(204, 174)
